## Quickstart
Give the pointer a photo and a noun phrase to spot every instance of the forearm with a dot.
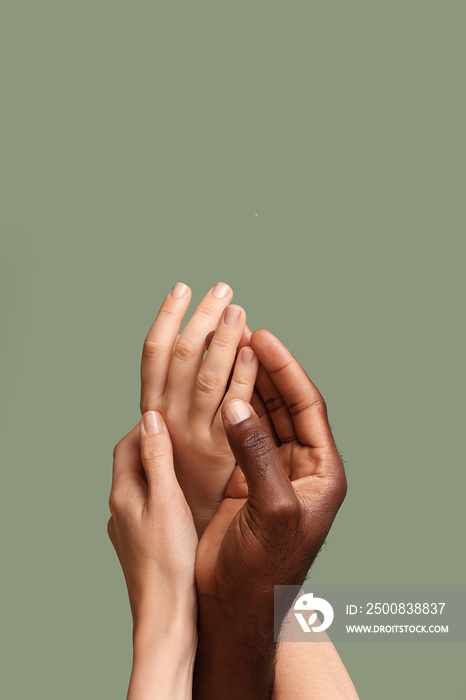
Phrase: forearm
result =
(164, 651)
(311, 671)
(235, 655)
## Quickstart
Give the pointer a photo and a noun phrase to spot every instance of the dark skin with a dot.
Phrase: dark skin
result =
(276, 514)
(264, 523)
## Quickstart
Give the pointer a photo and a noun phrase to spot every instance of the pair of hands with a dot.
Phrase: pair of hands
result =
(260, 523)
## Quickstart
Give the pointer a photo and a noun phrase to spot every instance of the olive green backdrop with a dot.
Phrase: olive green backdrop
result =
(310, 154)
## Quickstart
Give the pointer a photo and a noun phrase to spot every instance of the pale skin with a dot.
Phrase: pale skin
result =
(153, 532)
(190, 392)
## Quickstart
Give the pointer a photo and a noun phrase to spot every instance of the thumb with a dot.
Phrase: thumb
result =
(268, 485)
(156, 452)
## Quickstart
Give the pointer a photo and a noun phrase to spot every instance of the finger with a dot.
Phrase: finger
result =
(274, 411)
(208, 339)
(190, 346)
(158, 345)
(244, 338)
(279, 413)
(212, 378)
(275, 406)
(237, 486)
(244, 376)
(259, 407)
(241, 385)
(156, 453)
(214, 374)
(268, 486)
(302, 398)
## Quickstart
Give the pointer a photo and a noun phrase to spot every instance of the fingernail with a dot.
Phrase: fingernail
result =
(247, 356)
(236, 411)
(231, 315)
(179, 290)
(152, 423)
(220, 290)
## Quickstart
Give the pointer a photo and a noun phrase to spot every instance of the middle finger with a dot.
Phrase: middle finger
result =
(189, 348)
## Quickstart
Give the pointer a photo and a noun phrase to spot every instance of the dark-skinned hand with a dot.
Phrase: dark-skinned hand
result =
(276, 514)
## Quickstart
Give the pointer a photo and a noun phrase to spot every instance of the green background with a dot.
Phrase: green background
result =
(138, 143)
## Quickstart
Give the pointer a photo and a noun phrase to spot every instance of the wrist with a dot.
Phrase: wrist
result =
(236, 652)
(167, 617)
(161, 608)
(164, 649)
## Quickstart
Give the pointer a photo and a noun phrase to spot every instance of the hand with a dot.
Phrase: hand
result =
(268, 532)
(153, 532)
(189, 390)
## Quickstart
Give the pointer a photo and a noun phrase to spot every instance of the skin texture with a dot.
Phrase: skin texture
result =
(311, 671)
(251, 542)
(189, 389)
(303, 670)
(152, 530)
(268, 529)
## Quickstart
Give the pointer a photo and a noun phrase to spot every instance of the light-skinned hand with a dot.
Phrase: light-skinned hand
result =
(152, 530)
(189, 389)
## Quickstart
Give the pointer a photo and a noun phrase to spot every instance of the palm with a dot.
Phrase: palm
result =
(224, 535)
(294, 414)
(210, 459)
(224, 526)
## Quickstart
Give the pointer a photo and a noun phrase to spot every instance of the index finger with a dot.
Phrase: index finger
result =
(302, 398)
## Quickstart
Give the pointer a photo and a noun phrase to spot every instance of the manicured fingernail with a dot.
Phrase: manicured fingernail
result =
(220, 290)
(152, 423)
(179, 290)
(231, 315)
(236, 411)
(247, 356)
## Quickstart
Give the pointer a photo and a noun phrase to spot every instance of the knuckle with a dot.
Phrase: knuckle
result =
(205, 310)
(220, 343)
(153, 452)
(152, 348)
(304, 405)
(117, 501)
(261, 411)
(320, 403)
(287, 364)
(242, 382)
(335, 466)
(206, 383)
(336, 483)
(340, 487)
(343, 488)
(184, 349)
(259, 444)
(274, 404)
(166, 311)
(117, 449)
(286, 509)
